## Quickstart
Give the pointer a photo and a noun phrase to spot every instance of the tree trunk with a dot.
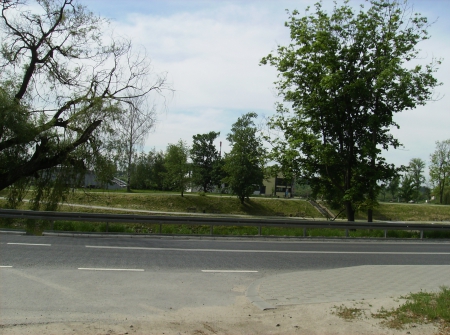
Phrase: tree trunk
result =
(349, 211)
(130, 156)
(370, 215)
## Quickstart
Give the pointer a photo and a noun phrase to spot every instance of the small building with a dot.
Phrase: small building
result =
(90, 181)
(276, 187)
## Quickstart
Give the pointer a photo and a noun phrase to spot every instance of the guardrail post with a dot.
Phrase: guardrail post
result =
(51, 225)
(211, 230)
(421, 234)
(385, 233)
(107, 226)
(346, 233)
(304, 232)
(259, 230)
(160, 228)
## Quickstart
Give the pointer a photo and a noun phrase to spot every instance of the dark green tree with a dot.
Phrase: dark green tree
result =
(343, 78)
(415, 171)
(204, 156)
(176, 163)
(393, 187)
(407, 190)
(440, 168)
(149, 171)
(244, 165)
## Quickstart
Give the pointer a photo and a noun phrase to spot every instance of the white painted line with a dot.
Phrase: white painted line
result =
(229, 271)
(275, 251)
(5, 266)
(105, 269)
(45, 245)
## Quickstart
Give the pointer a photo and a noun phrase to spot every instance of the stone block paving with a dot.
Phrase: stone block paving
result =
(346, 284)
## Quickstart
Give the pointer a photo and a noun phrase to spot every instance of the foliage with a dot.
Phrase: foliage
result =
(440, 168)
(148, 171)
(205, 158)
(244, 165)
(415, 170)
(412, 180)
(63, 84)
(393, 187)
(407, 191)
(178, 169)
(344, 76)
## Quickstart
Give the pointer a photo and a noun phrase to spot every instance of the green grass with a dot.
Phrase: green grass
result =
(223, 204)
(409, 212)
(422, 307)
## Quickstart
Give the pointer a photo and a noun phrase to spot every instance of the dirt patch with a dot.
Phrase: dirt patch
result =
(240, 318)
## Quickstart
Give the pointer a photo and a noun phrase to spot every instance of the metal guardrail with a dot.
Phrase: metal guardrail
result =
(220, 221)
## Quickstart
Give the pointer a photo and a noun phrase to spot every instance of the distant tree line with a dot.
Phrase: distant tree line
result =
(202, 167)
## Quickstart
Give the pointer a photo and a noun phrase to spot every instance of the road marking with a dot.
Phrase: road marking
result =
(275, 251)
(229, 271)
(106, 269)
(45, 245)
(5, 266)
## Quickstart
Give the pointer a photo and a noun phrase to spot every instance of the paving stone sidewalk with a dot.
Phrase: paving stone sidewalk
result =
(346, 284)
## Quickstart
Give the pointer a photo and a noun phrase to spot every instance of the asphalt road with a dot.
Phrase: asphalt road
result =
(51, 279)
(151, 254)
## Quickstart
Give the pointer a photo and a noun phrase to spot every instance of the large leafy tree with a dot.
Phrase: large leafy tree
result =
(440, 167)
(63, 83)
(178, 168)
(413, 180)
(415, 170)
(205, 158)
(244, 164)
(343, 78)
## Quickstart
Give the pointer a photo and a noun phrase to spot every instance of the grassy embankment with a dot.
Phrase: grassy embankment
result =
(220, 205)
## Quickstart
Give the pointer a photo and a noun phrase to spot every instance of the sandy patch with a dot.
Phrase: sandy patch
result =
(240, 318)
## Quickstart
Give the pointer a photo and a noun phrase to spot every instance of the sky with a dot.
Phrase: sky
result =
(211, 49)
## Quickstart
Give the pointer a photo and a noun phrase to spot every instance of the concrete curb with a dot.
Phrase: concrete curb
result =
(244, 237)
(235, 237)
(252, 294)
(13, 232)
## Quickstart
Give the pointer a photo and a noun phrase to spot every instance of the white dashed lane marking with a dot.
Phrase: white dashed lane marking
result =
(110, 269)
(229, 271)
(35, 244)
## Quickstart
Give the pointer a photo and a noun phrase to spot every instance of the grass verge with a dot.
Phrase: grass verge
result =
(420, 308)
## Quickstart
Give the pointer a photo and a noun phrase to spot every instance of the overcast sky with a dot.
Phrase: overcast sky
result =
(211, 51)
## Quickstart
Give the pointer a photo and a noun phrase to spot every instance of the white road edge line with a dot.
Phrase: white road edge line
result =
(5, 266)
(45, 245)
(110, 269)
(275, 251)
(229, 271)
